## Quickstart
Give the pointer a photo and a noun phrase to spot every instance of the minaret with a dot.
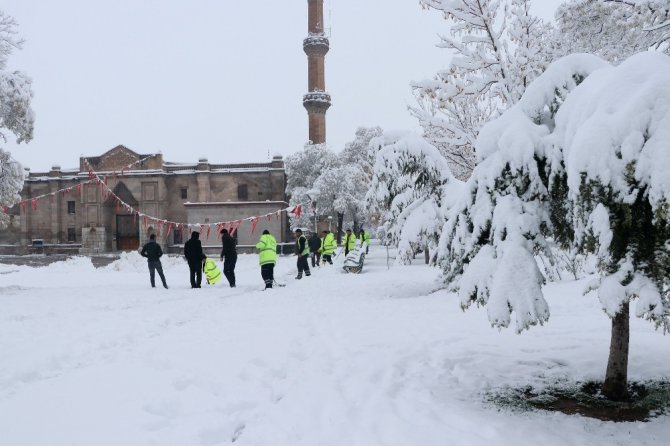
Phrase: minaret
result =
(316, 45)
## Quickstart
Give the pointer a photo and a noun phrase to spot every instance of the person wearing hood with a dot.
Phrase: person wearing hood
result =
(194, 256)
(267, 247)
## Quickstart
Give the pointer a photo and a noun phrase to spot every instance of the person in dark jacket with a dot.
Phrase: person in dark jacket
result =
(302, 251)
(153, 252)
(194, 255)
(314, 247)
(228, 256)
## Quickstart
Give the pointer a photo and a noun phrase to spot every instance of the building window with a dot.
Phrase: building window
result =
(178, 237)
(184, 193)
(71, 232)
(149, 191)
(242, 192)
(70, 207)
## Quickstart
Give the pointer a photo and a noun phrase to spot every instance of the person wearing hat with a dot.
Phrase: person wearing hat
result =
(349, 242)
(267, 258)
(302, 251)
(194, 256)
(315, 248)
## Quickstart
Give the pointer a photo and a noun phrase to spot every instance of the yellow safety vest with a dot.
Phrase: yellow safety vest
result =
(268, 249)
(211, 271)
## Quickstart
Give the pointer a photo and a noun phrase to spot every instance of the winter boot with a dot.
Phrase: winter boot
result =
(299, 276)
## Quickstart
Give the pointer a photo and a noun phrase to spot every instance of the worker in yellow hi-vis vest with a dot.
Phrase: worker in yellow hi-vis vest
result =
(328, 245)
(267, 258)
(212, 272)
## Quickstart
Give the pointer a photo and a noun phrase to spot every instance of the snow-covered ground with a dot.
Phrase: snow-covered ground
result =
(97, 357)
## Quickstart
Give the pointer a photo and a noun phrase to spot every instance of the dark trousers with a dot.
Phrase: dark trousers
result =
(196, 274)
(155, 265)
(229, 269)
(268, 274)
(303, 265)
(316, 258)
(328, 258)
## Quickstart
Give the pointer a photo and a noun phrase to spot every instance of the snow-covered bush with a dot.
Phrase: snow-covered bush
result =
(583, 159)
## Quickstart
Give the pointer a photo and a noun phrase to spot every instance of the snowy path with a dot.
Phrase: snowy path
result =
(96, 357)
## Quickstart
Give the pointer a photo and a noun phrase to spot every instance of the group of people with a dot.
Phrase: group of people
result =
(321, 249)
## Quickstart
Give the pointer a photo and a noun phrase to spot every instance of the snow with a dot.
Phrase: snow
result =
(97, 357)
(620, 115)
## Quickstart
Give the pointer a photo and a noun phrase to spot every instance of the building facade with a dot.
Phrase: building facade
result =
(78, 213)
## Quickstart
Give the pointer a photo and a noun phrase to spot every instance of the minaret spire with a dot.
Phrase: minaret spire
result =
(316, 45)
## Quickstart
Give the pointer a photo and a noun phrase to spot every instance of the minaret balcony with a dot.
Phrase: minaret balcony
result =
(316, 101)
(316, 44)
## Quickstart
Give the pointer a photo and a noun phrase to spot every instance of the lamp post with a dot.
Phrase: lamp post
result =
(313, 200)
(330, 223)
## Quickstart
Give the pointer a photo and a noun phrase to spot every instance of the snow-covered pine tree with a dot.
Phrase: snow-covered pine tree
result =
(412, 185)
(614, 29)
(499, 47)
(583, 159)
(16, 116)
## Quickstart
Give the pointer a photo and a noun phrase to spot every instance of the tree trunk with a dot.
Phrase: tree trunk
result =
(616, 378)
(340, 219)
(426, 254)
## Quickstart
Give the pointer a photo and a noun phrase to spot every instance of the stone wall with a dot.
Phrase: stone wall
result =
(93, 240)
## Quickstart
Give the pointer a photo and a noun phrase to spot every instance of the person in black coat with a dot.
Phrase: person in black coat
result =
(153, 252)
(228, 256)
(314, 246)
(194, 256)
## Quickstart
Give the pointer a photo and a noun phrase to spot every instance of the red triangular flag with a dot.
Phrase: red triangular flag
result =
(254, 222)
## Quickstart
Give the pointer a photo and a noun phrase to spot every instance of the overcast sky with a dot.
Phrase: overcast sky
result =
(214, 78)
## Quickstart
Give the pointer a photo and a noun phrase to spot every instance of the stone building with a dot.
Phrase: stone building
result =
(86, 219)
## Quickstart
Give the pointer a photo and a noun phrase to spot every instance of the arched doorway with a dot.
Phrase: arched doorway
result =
(127, 233)
(126, 226)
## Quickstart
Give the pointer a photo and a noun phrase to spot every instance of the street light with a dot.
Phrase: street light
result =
(314, 193)
(330, 223)
(316, 229)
